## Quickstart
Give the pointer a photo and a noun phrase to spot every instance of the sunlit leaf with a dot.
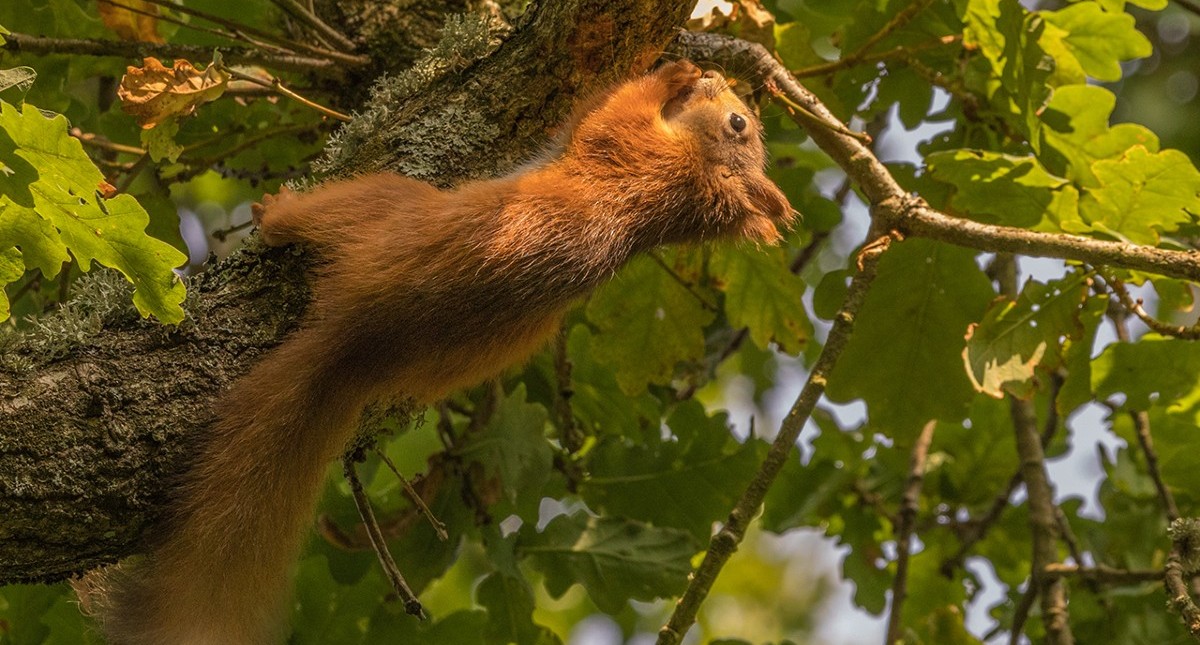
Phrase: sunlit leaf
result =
(49, 194)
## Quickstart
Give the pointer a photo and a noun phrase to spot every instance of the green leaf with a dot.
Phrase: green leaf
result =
(1098, 39)
(793, 44)
(647, 323)
(11, 269)
(902, 359)
(688, 483)
(762, 295)
(160, 140)
(514, 451)
(329, 612)
(509, 602)
(598, 401)
(615, 559)
(817, 493)
(1152, 369)
(49, 188)
(1004, 189)
(43, 615)
(1008, 36)
(1077, 388)
(1077, 133)
(1142, 193)
(1017, 336)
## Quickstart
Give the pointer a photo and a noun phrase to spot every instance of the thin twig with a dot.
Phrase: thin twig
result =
(725, 541)
(279, 87)
(222, 233)
(1135, 307)
(299, 12)
(196, 166)
(904, 532)
(1102, 574)
(253, 31)
(824, 69)
(568, 430)
(134, 170)
(1189, 5)
(227, 35)
(97, 141)
(413, 496)
(899, 20)
(798, 112)
(233, 55)
(1141, 421)
(1021, 612)
(412, 605)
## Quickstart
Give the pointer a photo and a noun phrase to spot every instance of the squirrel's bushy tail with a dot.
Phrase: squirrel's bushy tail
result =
(217, 572)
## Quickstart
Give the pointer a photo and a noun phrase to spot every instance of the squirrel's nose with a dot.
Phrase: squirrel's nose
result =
(710, 74)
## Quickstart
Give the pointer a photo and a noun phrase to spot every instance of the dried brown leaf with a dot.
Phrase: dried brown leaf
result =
(154, 92)
(748, 20)
(130, 25)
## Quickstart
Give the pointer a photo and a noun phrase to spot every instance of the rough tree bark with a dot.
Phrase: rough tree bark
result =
(94, 406)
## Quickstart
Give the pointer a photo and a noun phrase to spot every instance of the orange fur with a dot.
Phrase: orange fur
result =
(426, 291)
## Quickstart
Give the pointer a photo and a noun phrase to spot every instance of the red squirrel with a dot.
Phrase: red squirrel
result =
(426, 291)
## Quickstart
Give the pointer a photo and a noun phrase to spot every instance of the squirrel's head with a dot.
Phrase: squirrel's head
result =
(728, 137)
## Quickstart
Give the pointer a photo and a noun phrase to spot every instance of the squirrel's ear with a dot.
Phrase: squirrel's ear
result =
(677, 79)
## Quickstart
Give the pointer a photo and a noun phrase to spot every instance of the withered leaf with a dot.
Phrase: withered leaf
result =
(131, 25)
(154, 92)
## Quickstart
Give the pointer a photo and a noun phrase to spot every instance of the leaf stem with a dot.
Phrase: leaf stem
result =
(279, 87)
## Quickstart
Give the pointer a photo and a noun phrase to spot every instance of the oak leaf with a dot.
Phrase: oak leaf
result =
(140, 25)
(154, 92)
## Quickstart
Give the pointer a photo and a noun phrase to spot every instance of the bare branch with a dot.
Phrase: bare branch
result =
(279, 87)
(1117, 286)
(24, 43)
(412, 605)
(908, 514)
(301, 13)
(1044, 524)
(241, 28)
(903, 17)
(1102, 574)
(725, 542)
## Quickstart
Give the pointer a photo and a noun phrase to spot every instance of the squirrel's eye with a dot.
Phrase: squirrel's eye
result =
(737, 122)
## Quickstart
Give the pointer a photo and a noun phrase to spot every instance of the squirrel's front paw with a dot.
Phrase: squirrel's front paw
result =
(260, 213)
